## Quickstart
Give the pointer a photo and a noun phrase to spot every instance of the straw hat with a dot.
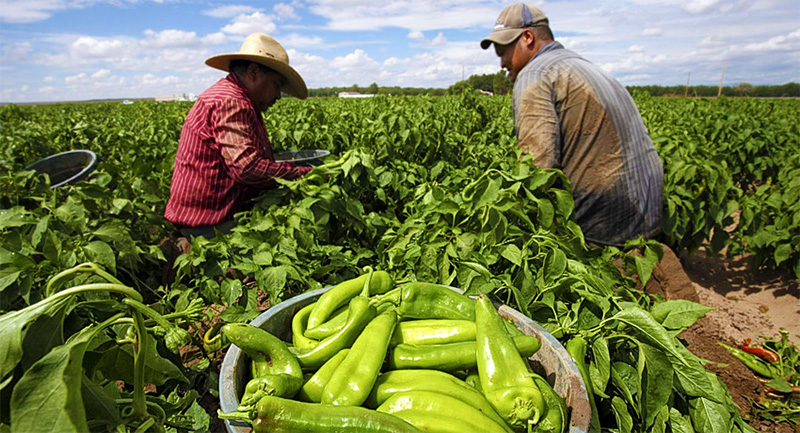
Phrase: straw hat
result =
(264, 50)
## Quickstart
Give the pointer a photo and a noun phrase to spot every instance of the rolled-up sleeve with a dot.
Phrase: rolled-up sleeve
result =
(243, 143)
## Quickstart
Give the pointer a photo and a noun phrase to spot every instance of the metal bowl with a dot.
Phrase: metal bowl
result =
(66, 167)
(302, 157)
(551, 361)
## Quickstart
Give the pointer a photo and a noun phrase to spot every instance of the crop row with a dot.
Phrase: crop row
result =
(428, 189)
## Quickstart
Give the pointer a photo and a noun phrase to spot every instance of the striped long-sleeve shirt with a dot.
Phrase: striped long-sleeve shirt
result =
(573, 116)
(224, 158)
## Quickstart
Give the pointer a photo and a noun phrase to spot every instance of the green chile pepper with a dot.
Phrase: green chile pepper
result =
(352, 381)
(333, 324)
(372, 283)
(503, 372)
(752, 362)
(576, 347)
(299, 323)
(281, 415)
(451, 356)
(554, 419)
(396, 381)
(433, 411)
(271, 384)
(311, 391)
(270, 354)
(433, 331)
(473, 379)
(359, 314)
(430, 301)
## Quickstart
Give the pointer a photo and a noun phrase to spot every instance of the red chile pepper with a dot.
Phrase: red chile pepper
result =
(766, 355)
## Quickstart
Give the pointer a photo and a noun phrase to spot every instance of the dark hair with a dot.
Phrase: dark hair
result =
(239, 66)
(542, 32)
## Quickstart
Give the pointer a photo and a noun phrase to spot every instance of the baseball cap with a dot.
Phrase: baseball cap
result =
(511, 21)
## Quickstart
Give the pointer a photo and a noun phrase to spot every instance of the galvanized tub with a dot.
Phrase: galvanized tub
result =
(551, 361)
(66, 167)
(302, 157)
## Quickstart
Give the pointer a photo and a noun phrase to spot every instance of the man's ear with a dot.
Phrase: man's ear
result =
(528, 37)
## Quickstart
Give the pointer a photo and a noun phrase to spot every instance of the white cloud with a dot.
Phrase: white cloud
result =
(214, 39)
(358, 59)
(229, 11)
(439, 40)
(28, 11)
(75, 78)
(699, 6)
(417, 15)
(256, 22)
(790, 42)
(102, 73)
(650, 32)
(300, 41)
(416, 35)
(170, 38)
(284, 11)
(87, 46)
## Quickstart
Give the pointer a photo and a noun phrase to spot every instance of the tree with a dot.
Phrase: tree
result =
(372, 89)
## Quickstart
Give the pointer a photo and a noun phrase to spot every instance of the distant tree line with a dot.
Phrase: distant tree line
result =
(499, 84)
(790, 90)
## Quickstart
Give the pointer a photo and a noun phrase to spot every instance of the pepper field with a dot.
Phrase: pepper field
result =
(427, 188)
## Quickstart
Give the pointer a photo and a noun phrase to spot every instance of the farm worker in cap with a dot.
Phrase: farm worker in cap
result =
(571, 115)
(224, 155)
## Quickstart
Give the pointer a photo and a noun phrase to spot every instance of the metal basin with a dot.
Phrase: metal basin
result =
(302, 157)
(551, 361)
(67, 167)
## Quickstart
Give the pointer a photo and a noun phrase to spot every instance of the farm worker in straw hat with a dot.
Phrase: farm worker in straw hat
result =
(224, 155)
(571, 115)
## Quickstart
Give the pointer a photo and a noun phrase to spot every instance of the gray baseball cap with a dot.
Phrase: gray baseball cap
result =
(511, 21)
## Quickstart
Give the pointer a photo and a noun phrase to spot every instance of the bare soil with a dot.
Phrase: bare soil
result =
(749, 303)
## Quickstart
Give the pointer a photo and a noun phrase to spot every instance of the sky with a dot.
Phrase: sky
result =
(74, 50)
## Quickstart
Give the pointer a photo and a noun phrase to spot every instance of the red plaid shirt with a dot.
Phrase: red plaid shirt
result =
(224, 158)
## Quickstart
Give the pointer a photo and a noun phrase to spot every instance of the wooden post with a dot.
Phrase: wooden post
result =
(721, 80)
(686, 93)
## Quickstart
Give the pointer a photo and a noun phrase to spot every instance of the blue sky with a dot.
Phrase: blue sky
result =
(67, 50)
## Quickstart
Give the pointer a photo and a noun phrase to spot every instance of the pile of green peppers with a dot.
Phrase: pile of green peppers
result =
(371, 357)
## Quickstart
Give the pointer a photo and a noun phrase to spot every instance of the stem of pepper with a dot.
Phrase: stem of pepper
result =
(58, 279)
(139, 353)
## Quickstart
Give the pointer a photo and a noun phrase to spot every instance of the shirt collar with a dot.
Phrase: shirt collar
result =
(550, 46)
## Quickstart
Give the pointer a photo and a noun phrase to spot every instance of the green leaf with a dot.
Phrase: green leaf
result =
(513, 254)
(231, 290)
(272, 280)
(100, 252)
(782, 253)
(678, 313)
(657, 383)
(47, 398)
(647, 328)
(100, 406)
(709, 416)
(678, 422)
(15, 217)
(117, 364)
(600, 368)
(622, 415)
(627, 381)
(13, 330)
(645, 264)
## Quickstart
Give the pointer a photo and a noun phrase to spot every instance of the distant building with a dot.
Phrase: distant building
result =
(353, 95)
(172, 97)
